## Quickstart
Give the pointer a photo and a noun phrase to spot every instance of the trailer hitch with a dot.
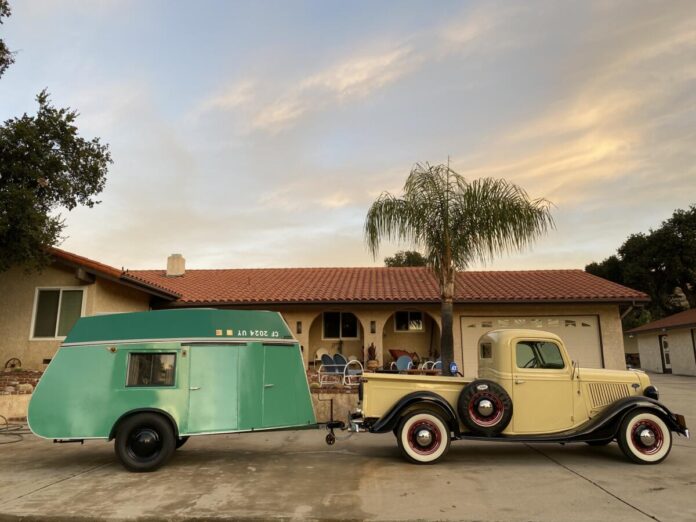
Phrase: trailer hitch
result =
(332, 424)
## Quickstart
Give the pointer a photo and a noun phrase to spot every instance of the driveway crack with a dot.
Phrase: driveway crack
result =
(59, 481)
(595, 484)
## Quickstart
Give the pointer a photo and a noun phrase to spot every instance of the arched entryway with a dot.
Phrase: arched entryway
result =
(337, 331)
(411, 330)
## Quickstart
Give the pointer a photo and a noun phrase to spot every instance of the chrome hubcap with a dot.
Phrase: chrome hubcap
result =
(485, 407)
(647, 437)
(424, 438)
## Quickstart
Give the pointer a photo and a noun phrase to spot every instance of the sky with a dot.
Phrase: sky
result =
(257, 134)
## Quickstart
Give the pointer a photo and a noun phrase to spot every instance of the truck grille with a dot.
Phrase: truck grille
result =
(603, 394)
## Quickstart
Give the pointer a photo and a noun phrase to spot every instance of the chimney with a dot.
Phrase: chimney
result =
(176, 265)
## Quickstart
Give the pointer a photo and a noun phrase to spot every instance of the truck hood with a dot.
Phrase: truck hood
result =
(617, 376)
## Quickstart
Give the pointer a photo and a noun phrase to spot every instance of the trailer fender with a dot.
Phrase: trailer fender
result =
(428, 399)
(130, 413)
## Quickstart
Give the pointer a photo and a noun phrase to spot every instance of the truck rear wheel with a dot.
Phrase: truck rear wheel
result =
(144, 442)
(484, 407)
(644, 437)
(423, 437)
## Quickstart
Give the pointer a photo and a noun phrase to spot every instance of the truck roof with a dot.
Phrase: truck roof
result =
(504, 335)
(193, 324)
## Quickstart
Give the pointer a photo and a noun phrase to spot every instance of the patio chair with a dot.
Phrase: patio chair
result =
(403, 363)
(437, 365)
(427, 365)
(351, 370)
(319, 353)
(329, 372)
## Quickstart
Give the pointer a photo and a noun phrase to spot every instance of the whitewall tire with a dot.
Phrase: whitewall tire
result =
(423, 437)
(644, 437)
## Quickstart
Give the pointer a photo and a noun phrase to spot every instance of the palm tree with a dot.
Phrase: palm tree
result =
(456, 222)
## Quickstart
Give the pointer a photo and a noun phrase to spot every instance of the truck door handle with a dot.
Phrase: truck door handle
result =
(194, 388)
(519, 381)
(268, 385)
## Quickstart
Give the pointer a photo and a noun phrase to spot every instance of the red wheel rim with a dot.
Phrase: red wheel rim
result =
(434, 431)
(638, 428)
(490, 420)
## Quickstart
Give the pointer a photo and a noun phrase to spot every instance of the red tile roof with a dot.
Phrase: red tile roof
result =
(683, 319)
(381, 285)
(110, 272)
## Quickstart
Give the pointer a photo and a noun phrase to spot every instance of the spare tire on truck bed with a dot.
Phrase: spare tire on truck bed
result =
(484, 407)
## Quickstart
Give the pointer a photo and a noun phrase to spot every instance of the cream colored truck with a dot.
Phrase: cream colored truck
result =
(528, 391)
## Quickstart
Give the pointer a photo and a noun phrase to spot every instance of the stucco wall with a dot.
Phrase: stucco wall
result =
(681, 351)
(18, 290)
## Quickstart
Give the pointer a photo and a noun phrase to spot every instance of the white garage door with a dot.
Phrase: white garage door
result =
(580, 333)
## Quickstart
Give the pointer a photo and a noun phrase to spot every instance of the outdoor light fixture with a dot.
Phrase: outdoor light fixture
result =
(373, 327)
(298, 328)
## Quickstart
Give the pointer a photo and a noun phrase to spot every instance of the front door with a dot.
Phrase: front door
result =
(664, 354)
(541, 388)
(213, 387)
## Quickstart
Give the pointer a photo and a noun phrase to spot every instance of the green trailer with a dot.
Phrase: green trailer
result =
(150, 380)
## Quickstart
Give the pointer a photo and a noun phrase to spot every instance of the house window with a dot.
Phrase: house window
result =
(55, 312)
(151, 369)
(408, 321)
(340, 325)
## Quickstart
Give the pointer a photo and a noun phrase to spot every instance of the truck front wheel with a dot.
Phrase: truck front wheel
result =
(644, 437)
(423, 437)
(144, 442)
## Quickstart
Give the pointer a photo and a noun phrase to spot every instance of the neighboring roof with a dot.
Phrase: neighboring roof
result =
(109, 272)
(381, 285)
(685, 319)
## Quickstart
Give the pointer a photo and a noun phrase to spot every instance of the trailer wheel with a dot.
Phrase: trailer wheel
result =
(144, 442)
(644, 437)
(423, 437)
(181, 441)
(484, 407)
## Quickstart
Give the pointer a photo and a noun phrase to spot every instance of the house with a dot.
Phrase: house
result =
(339, 309)
(668, 345)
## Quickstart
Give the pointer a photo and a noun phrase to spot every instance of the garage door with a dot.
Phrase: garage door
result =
(580, 333)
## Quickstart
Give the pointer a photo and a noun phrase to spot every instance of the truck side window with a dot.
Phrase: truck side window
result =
(151, 369)
(539, 354)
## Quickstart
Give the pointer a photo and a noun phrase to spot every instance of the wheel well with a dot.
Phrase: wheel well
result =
(431, 407)
(129, 414)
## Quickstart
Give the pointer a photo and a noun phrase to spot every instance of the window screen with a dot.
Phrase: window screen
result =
(151, 369)
(56, 312)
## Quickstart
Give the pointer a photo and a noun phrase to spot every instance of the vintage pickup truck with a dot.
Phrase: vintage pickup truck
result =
(528, 391)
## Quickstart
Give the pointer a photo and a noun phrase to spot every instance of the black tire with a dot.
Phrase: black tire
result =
(144, 441)
(181, 441)
(639, 450)
(423, 451)
(470, 408)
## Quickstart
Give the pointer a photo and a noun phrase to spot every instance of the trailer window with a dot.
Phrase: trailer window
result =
(151, 369)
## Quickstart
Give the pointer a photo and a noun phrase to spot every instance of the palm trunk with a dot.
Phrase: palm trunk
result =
(446, 315)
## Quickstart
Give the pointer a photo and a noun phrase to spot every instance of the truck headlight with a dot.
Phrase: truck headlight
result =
(651, 392)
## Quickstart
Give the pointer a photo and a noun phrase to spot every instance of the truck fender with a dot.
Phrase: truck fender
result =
(606, 425)
(389, 421)
(130, 413)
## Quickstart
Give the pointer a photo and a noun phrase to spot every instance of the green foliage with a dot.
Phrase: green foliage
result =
(456, 222)
(44, 166)
(405, 258)
(6, 56)
(657, 263)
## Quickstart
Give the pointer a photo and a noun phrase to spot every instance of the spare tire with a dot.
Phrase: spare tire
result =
(484, 407)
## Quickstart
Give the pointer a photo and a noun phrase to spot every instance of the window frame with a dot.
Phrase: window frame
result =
(151, 352)
(409, 330)
(517, 368)
(340, 328)
(61, 289)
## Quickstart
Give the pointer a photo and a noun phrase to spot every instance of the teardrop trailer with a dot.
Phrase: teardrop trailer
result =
(150, 380)
(528, 391)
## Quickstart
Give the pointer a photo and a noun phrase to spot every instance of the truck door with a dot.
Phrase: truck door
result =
(542, 389)
(213, 383)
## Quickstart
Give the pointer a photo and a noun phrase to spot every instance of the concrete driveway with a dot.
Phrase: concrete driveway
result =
(294, 475)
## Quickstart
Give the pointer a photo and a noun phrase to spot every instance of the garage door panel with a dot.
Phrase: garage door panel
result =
(580, 333)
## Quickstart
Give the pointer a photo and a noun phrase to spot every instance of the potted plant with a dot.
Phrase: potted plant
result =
(372, 362)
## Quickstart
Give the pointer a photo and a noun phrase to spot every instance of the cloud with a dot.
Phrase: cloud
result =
(356, 77)
(238, 95)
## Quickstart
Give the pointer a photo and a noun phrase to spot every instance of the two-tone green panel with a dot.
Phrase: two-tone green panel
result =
(286, 399)
(83, 392)
(198, 323)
